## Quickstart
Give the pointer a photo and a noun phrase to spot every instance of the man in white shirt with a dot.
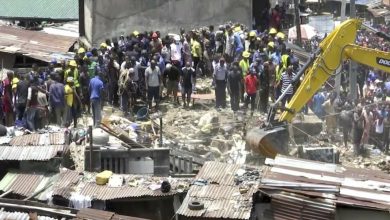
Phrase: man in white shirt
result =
(176, 51)
(153, 82)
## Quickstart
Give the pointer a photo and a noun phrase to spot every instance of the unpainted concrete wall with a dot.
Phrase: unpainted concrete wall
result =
(113, 18)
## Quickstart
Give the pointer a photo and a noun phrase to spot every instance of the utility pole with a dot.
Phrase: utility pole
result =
(337, 85)
(352, 65)
(298, 22)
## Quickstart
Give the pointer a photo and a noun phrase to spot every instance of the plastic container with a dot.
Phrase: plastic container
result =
(103, 177)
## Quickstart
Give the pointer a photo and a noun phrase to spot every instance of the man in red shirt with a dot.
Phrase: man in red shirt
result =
(251, 85)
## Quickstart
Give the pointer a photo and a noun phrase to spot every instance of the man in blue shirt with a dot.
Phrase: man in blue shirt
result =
(95, 89)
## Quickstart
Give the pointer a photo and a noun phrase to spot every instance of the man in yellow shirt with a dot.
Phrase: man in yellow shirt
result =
(196, 51)
(71, 98)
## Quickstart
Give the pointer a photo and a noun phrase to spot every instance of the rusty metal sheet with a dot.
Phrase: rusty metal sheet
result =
(343, 185)
(220, 173)
(65, 183)
(295, 207)
(219, 202)
(94, 214)
(36, 153)
(35, 44)
(39, 139)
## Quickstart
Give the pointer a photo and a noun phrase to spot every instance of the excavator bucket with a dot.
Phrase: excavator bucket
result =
(268, 142)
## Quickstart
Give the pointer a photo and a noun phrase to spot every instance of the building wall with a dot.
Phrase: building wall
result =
(113, 18)
(88, 19)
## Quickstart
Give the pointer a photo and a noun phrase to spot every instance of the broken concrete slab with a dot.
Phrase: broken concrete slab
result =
(328, 154)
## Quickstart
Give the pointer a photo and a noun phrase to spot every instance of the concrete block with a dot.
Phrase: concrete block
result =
(141, 166)
(310, 125)
(323, 154)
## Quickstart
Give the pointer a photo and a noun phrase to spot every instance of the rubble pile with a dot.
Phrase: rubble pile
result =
(213, 135)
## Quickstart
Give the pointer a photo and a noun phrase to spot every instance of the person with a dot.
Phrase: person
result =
(187, 75)
(196, 51)
(244, 65)
(251, 84)
(220, 77)
(176, 51)
(57, 100)
(229, 45)
(235, 82)
(95, 91)
(330, 118)
(187, 49)
(265, 81)
(21, 97)
(7, 100)
(153, 82)
(71, 97)
(317, 104)
(32, 106)
(172, 73)
(358, 126)
(368, 117)
(286, 80)
(122, 85)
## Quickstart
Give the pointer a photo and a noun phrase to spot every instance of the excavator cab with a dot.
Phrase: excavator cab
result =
(272, 138)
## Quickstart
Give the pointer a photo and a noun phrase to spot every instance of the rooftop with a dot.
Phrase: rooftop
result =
(338, 184)
(134, 186)
(34, 44)
(35, 185)
(225, 190)
(40, 9)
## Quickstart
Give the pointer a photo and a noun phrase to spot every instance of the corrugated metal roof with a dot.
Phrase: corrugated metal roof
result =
(28, 184)
(296, 207)
(38, 153)
(45, 9)
(39, 139)
(219, 202)
(218, 173)
(21, 216)
(67, 180)
(35, 44)
(108, 193)
(348, 186)
(222, 196)
(71, 181)
(103, 215)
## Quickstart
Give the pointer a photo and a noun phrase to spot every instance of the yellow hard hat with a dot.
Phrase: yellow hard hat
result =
(73, 63)
(273, 31)
(135, 33)
(237, 29)
(252, 34)
(245, 54)
(104, 45)
(81, 50)
(280, 35)
(271, 44)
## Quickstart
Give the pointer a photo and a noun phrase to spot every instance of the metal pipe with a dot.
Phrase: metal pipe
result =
(161, 132)
(90, 148)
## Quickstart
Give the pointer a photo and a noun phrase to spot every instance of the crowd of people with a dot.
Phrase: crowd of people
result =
(253, 67)
(150, 67)
(365, 120)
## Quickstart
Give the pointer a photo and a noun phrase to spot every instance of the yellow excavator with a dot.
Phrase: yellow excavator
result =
(337, 47)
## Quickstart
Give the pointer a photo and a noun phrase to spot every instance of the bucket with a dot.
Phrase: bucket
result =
(142, 113)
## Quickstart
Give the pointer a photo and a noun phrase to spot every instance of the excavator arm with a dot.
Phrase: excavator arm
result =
(336, 48)
(333, 51)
